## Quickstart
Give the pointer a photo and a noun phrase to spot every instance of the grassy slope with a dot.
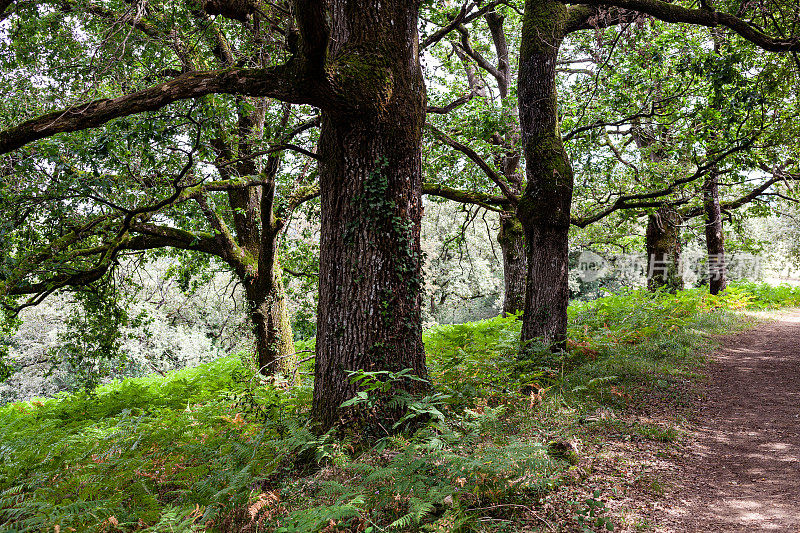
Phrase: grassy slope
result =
(209, 447)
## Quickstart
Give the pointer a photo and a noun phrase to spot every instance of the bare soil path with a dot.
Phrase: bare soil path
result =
(741, 471)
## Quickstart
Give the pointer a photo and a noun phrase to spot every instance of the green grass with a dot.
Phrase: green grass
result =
(211, 448)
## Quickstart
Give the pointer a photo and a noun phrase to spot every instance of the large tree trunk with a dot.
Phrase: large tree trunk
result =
(544, 209)
(663, 240)
(512, 243)
(715, 239)
(371, 189)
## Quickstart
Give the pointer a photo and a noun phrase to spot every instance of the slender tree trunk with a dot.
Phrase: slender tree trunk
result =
(715, 239)
(272, 327)
(544, 209)
(511, 236)
(512, 243)
(663, 240)
(371, 189)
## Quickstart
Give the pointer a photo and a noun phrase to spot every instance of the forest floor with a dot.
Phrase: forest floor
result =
(739, 468)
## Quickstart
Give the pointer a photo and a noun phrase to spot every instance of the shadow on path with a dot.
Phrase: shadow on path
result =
(743, 469)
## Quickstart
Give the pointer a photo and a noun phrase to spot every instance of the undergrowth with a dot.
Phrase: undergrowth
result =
(213, 448)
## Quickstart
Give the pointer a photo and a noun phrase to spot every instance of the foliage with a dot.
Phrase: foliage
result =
(764, 296)
(169, 327)
(462, 278)
(132, 452)
(91, 346)
(8, 325)
(217, 448)
(591, 514)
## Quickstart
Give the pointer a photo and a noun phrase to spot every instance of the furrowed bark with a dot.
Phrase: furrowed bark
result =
(544, 210)
(370, 189)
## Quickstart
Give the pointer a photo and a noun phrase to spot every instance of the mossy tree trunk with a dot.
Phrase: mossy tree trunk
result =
(715, 239)
(663, 240)
(272, 325)
(251, 248)
(512, 244)
(544, 210)
(371, 190)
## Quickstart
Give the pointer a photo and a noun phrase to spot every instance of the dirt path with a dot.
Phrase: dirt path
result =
(742, 470)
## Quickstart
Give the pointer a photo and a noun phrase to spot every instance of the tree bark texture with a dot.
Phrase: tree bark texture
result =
(370, 190)
(512, 243)
(663, 241)
(715, 239)
(252, 251)
(272, 326)
(544, 210)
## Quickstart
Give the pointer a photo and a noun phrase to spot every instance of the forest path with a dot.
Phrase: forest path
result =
(742, 469)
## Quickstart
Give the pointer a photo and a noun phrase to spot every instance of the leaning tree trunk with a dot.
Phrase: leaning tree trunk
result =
(715, 239)
(544, 209)
(369, 314)
(512, 244)
(663, 241)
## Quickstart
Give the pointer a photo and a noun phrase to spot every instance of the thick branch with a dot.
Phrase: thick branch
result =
(78, 279)
(152, 236)
(487, 201)
(477, 57)
(277, 82)
(701, 17)
(584, 17)
(314, 33)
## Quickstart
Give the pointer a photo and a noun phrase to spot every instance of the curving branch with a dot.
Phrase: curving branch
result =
(279, 82)
(478, 160)
(482, 62)
(487, 201)
(702, 17)
(652, 198)
(455, 104)
(464, 16)
(751, 196)
(152, 236)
